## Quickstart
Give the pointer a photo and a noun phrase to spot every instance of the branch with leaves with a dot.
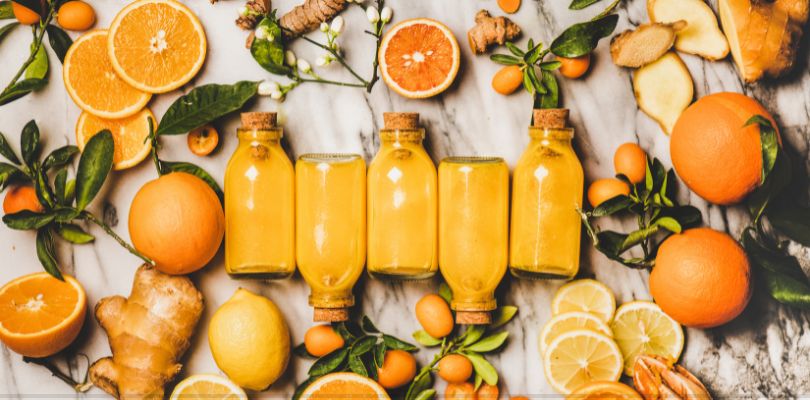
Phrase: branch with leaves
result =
(543, 88)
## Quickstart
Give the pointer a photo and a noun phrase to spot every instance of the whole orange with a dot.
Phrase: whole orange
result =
(24, 15)
(714, 154)
(464, 390)
(574, 68)
(398, 369)
(701, 278)
(177, 221)
(321, 340)
(606, 189)
(487, 392)
(76, 15)
(435, 316)
(507, 79)
(23, 197)
(630, 160)
(455, 368)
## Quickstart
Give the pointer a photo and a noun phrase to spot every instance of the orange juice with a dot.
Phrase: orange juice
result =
(402, 203)
(473, 232)
(331, 229)
(259, 203)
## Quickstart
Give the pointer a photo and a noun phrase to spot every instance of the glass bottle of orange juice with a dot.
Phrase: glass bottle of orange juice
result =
(473, 232)
(330, 229)
(547, 190)
(259, 203)
(402, 203)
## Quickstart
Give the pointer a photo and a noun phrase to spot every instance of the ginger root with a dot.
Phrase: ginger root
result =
(148, 333)
(663, 89)
(643, 45)
(307, 17)
(489, 30)
(701, 36)
(763, 35)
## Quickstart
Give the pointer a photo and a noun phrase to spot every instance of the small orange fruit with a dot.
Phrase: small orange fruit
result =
(399, 368)
(713, 152)
(606, 189)
(344, 385)
(574, 68)
(487, 392)
(41, 315)
(509, 6)
(177, 221)
(630, 160)
(76, 15)
(455, 368)
(129, 135)
(519, 398)
(464, 390)
(604, 390)
(22, 197)
(203, 140)
(701, 278)
(435, 316)
(507, 79)
(24, 15)
(419, 58)
(321, 340)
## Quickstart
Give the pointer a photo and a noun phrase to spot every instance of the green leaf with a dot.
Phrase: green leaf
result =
(580, 4)
(7, 173)
(478, 381)
(47, 253)
(94, 165)
(197, 171)
(534, 54)
(610, 243)
(66, 214)
(356, 365)
(30, 143)
(489, 343)
(769, 141)
(552, 98)
(270, 53)
(22, 88)
(379, 354)
(473, 333)
(204, 104)
(550, 65)
(329, 362)
(505, 59)
(368, 326)
(527, 82)
(612, 206)
(363, 345)
(74, 234)
(6, 150)
(514, 49)
(425, 339)
(668, 189)
(422, 382)
(446, 293)
(580, 39)
(669, 223)
(43, 189)
(398, 344)
(777, 180)
(538, 86)
(6, 10)
(426, 394)
(59, 157)
(303, 386)
(792, 221)
(637, 237)
(483, 368)
(502, 315)
(38, 69)
(27, 220)
(60, 184)
(782, 274)
(6, 29)
(301, 351)
(341, 330)
(59, 40)
(687, 216)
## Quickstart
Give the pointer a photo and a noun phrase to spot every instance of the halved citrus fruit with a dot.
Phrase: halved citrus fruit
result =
(41, 315)
(206, 386)
(344, 385)
(604, 390)
(640, 327)
(93, 84)
(585, 295)
(129, 134)
(156, 45)
(419, 58)
(579, 357)
(569, 321)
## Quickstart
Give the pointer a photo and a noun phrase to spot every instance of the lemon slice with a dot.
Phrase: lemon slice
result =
(640, 327)
(580, 357)
(570, 321)
(585, 295)
(205, 386)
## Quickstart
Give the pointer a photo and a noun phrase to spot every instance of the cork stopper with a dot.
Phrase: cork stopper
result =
(259, 120)
(554, 118)
(473, 317)
(331, 315)
(404, 120)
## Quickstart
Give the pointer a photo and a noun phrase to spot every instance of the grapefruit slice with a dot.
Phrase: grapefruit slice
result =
(129, 134)
(344, 385)
(419, 58)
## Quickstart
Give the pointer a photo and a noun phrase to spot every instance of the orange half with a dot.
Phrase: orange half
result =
(419, 58)
(344, 385)
(129, 135)
(156, 45)
(93, 84)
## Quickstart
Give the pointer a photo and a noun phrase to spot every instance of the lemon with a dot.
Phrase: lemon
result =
(579, 357)
(250, 340)
(205, 386)
(640, 327)
(569, 321)
(585, 295)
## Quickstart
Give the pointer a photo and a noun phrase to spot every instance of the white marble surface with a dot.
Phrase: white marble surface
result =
(764, 353)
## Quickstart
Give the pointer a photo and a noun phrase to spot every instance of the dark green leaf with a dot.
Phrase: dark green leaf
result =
(59, 157)
(74, 234)
(527, 82)
(538, 86)
(197, 171)
(33, 5)
(43, 189)
(668, 188)
(7, 152)
(30, 143)
(329, 362)
(659, 173)
(687, 216)
(94, 165)
(7, 173)
(46, 253)
(550, 65)
(301, 351)
(60, 186)
(59, 40)
(6, 29)
(27, 220)
(792, 221)
(502, 315)
(368, 326)
(489, 343)
(552, 98)
(22, 88)
(66, 214)
(6, 10)
(669, 223)
(341, 330)
(446, 293)
(473, 333)
(505, 59)
(580, 4)
(204, 104)
(379, 354)
(777, 180)
(270, 53)
(580, 39)
(483, 368)
(38, 69)
(514, 49)
(363, 345)
(534, 54)
(356, 365)
(422, 382)
(425, 339)
(612, 206)
(781, 273)
(769, 141)
(610, 243)
(398, 344)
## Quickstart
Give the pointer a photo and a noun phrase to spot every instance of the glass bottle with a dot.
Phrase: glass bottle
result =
(473, 232)
(259, 203)
(547, 190)
(331, 229)
(402, 203)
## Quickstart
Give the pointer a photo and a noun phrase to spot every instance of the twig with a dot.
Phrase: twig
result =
(38, 36)
(80, 387)
(92, 218)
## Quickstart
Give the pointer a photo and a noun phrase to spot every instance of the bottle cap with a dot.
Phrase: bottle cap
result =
(400, 120)
(331, 315)
(473, 317)
(259, 120)
(554, 118)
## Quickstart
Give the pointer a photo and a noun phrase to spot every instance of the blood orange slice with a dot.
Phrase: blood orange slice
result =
(419, 58)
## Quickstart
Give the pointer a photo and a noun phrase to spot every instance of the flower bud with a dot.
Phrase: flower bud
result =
(243, 11)
(303, 65)
(262, 33)
(386, 14)
(372, 14)
(324, 27)
(276, 95)
(289, 58)
(266, 88)
(323, 61)
(337, 25)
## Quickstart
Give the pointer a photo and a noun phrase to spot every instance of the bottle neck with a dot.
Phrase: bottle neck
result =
(552, 135)
(268, 137)
(402, 137)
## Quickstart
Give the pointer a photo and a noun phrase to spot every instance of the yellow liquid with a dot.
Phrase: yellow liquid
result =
(331, 225)
(259, 208)
(402, 209)
(547, 191)
(473, 229)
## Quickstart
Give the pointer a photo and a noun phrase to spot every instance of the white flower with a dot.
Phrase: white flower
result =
(324, 60)
(276, 95)
(267, 88)
(337, 25)
(324, 27)
(263, 33)
(303, 65)
(386, 14)
(243, 11)
(372, 14)
(289, 58)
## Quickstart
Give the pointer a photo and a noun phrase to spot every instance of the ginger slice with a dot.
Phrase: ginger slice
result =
(663, 89)
(702, 36)
(647, 43)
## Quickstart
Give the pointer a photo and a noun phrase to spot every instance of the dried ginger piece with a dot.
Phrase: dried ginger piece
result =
(489, 30)
(307, 17)
(645, 44)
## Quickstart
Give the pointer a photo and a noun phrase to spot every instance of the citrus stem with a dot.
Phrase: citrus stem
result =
(339, 59)
(376, 63)
(38, 36)
(79, 387)
(92, 218)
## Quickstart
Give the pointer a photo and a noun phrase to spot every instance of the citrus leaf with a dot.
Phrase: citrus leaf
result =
(425, 339)
(445, 293)
(42, 189)
(59, 40)
(356, 365)
(204, 104)
(6, 150)
(782, 274)
(398, 344)
(22, 88)
(514, 49)
(612, 206)
(29, 141)
(6, 10)
(379, 354)
(329, 362)
(502, 315)
(368, 326)
(552, 98)
(792, 221)
(777, 180)
(580, 4)
(483, 368)
(38, 69)
(45, 253)
(422, 382)
(426, 394)
(489, 343)
(669, 223)
(473, 333)
(94, 165)
(580, 39)
(6, 29)
(270, 53)
(769, 142)
(27, 220)
(59, 157)
(363, 345)
(7, 173)
(74, 234)
(505, 59)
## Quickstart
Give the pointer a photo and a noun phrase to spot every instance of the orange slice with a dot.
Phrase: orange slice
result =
(129, 134)
(419, 58)
(604, 390)
(344, 385)
(41, 315)
(93, 84)
(156, 45)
